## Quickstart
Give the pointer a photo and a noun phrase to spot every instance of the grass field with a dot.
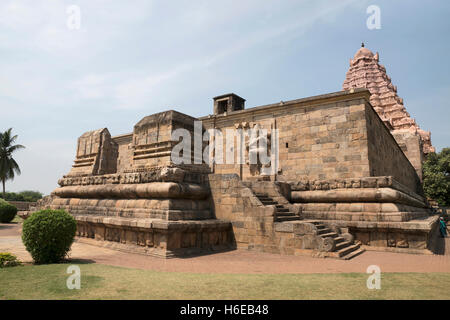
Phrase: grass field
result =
(17, 219)
(107, 282)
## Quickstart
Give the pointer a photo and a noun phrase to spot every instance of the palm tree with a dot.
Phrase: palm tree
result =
(8, 166)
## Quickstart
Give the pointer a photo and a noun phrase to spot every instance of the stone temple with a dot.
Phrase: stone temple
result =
(345, 177)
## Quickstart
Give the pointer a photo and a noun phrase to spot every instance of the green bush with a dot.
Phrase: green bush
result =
(8, 260)
(48, 235)
(7, 211)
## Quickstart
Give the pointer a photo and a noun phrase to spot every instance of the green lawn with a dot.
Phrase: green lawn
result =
(107, 282)
(17, 219)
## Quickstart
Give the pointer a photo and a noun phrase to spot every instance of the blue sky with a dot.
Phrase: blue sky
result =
(130, 59)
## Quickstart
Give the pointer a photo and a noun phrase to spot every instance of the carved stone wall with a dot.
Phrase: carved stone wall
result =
(335, 136)
(152, 138)
(96, 154)
(386, 158)
(126, 193)
(124, 160)
(411, 145)
(318, 138)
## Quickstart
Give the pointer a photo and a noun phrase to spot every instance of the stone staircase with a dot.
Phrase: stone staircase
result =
(328, 243)
(343, 249)
(282, 212)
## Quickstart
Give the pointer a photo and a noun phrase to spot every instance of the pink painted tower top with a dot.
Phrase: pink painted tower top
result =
(366, 72)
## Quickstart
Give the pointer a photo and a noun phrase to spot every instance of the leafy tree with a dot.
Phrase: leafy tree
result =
(30, 196)
(436, 177)
(11, 196)
(8, 166)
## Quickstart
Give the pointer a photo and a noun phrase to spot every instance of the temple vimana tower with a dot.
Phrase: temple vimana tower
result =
(366, 72)
(341, 174)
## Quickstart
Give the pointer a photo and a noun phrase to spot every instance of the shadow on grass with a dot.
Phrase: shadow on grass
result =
(78, 261)
(67, 261)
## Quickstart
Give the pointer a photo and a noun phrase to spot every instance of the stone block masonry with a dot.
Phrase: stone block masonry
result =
(342, 183)
(126, 193)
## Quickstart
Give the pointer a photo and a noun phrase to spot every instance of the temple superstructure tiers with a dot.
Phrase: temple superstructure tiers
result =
(366, 72)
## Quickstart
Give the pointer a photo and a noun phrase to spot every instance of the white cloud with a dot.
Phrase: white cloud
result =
(17, 15)
(42, 163)
(126, 56)
(91, 86)
(42, 25)
(136, 92)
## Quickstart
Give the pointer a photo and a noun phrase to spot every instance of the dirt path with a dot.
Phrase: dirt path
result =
(239, 261)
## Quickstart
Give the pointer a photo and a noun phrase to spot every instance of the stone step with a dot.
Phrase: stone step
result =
(285, 214)
(342, 245)
(324, 231)
(268, 203)
(329, 235)
(345, 251)
(339, 240)
(353, 254)
(288, 218)
(282, 209)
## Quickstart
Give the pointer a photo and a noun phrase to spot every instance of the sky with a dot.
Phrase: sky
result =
(129, 59)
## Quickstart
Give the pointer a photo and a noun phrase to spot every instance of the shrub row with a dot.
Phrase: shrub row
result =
(7, 211)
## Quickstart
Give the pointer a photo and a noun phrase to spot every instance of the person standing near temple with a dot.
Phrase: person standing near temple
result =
(442, 227)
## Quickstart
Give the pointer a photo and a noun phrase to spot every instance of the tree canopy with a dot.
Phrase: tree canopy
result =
(28, 195)
(436, 177)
